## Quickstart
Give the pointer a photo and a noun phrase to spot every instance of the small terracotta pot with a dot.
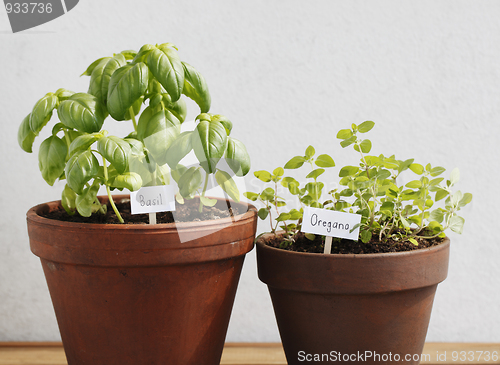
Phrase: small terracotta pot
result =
(368, 308)
(136, 294)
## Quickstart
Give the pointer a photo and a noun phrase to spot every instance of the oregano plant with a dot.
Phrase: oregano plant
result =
(144, 89)
(423, 208)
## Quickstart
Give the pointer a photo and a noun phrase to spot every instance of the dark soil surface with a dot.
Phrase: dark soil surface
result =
(343, 246)
(187, 212)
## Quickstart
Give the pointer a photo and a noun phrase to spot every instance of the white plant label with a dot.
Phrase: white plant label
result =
(330, 223)
(152, 199)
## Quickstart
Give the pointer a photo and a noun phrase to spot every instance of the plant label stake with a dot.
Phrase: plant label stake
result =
(152, 218)
(153, 199)
(330, 223)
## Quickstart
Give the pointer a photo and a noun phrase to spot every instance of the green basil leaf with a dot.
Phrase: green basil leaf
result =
(63, 94)
(116, 151)
(58, 127)
(42, 112)
(196, 88)
(136, 107)
(101, 75)
(208, 201)
(72, 134)
(80, 169)
(179, 149)
(143, 53)
(237, 157)
(224, 121)
(189, 182)
(166, 67)
(204, 116)
(178, 172)
(25, 136)
(85, 200)
(68, 200)
(209, 142)
(146, 115)
(127, 84)
(129, 54)
(92, 66)
(158, 131)
(82, 112)
(129, 180)
(136, 147)
(52, 158)
(178, 108)
(155, 99)
(227, 184)
(82, 143)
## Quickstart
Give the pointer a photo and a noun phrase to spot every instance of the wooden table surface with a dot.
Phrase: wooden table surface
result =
(52, 353)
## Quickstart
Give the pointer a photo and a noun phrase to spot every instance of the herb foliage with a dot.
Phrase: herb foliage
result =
(144, 88)
(426, 206)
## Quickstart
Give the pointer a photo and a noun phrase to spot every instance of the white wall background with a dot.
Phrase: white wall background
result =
(288, 74)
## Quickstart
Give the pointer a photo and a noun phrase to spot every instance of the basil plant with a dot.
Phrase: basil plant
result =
(144, 89)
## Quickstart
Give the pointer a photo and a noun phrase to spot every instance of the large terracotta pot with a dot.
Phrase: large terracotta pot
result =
(136, 294)
(369, 309)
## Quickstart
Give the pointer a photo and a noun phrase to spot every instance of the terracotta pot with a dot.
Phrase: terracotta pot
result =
(369, 309)
(136, 294)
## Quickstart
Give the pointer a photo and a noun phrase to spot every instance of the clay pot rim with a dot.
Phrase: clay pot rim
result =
(358, 256)
(34, 216)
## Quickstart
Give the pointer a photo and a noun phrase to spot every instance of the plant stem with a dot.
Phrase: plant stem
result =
(372, 188)
(111, 201)
(200, 208)
(66, 137)
(276, 206)
(132, 114)
(270, 218)
(102, 208)
(110, 197)
(316, 197)
(276, 197)
(153, 178)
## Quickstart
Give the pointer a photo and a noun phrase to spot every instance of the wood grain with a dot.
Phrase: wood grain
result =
(52, 353)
